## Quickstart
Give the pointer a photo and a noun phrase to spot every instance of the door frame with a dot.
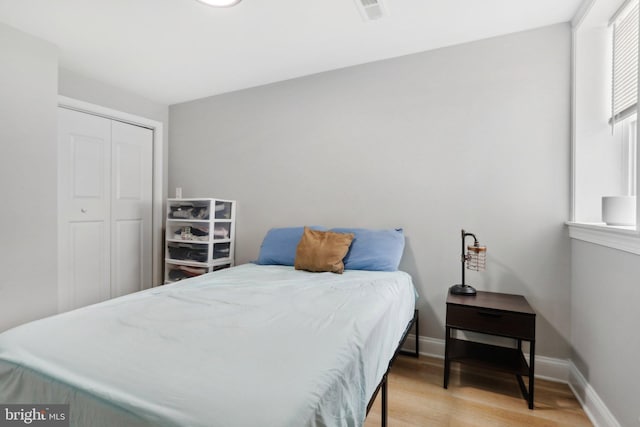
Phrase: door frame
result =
(158, 194)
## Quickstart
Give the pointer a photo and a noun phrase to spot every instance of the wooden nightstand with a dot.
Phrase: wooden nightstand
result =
(498, 314)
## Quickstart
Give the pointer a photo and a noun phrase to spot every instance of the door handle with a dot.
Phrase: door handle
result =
(83, 210)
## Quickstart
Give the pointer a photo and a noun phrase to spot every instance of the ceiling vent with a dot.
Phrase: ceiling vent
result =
(370, 10)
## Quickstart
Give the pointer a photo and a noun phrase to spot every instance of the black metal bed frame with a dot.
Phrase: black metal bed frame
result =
(383, 383)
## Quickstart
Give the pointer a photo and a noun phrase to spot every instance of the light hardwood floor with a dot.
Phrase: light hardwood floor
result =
(474, 398)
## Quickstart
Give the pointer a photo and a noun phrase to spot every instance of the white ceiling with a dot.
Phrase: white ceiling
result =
(172, 51)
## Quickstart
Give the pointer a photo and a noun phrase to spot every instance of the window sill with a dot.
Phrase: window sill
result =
(622, 238)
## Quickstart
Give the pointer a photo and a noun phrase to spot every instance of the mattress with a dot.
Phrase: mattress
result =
(246, 346)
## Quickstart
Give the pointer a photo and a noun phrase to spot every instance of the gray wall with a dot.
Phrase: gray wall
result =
(77, 86)
(473, 136)
(604, 319)
(28, 99)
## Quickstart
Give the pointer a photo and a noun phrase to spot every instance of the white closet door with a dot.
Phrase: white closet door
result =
(84, 193)
(105, 198)
(131, 208)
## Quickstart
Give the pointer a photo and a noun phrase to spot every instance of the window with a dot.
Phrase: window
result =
(605, 98)
(624, 91)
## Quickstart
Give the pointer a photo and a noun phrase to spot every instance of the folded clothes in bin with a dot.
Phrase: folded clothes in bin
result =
(223, 210)
(177, 274)
(183, 272)
(187, 252)
(191, 232)
(180, 212)
(221, 251)
(189, 211)
(221, 233)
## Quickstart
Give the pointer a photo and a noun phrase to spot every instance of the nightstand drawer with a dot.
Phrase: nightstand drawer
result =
(489, 321)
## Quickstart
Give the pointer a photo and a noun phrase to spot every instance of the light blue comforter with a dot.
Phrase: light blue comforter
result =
(264, 346)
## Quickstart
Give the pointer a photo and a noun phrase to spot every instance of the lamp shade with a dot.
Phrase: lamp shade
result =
(476, 257)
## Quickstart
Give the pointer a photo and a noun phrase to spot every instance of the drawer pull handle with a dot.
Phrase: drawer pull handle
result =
(489, 314)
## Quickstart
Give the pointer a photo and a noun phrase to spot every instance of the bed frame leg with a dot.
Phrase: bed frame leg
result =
(383, 382)
(415, 322)
(384, 402)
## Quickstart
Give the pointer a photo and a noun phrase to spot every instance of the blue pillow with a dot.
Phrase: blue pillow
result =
(279, 245)
(375, 250)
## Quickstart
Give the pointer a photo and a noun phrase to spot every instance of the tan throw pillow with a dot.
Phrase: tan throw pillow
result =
(322, 250)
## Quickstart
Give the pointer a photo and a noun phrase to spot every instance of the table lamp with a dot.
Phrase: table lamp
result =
(474, 259)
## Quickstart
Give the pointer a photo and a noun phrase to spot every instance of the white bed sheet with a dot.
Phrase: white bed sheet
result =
(247, 346)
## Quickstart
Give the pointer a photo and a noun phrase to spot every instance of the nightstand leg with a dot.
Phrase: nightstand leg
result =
(446, 356)
(417, 314)
(532, 356)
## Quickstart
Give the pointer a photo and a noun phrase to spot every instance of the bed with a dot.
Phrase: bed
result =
(253, 345)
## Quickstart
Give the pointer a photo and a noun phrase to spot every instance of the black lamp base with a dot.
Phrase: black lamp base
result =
(462, 290)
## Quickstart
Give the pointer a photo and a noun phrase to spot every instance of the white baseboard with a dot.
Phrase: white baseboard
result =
(593, 406)
(548, 368)
(431, 347)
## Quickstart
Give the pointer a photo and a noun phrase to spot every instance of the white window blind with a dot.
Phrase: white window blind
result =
(625, 61)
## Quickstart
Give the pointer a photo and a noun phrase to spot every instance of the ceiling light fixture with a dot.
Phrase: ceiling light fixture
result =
(370, 10)
(220, 3)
